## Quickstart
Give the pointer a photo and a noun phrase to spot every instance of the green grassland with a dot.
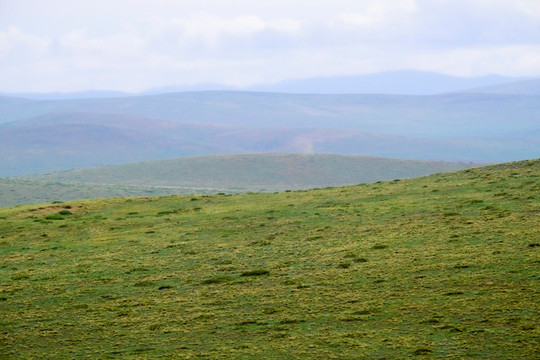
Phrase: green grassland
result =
(213, 174)
(444, 266)
(15, 191)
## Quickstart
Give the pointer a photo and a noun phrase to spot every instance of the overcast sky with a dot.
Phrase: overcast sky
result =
(132, 45)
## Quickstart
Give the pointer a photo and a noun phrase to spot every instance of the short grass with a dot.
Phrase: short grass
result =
(445, 266)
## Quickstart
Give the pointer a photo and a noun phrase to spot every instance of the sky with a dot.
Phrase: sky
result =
(134, 45)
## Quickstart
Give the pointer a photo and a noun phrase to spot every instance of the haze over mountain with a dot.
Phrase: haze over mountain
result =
(523, 87)
(490, 124)
(403, 82)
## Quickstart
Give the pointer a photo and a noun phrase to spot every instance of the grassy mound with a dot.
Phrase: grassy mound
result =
(441, 266)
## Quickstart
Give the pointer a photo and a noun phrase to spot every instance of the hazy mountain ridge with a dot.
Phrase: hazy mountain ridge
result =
(480, 125)
(426, 116)
(101, 139)
(523, 87)
(404, 82)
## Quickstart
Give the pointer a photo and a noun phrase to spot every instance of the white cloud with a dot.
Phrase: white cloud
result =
(19, 46)
(84, 45)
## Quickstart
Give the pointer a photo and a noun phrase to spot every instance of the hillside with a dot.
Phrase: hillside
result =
(212, 174)
(44, 136)
(444, 266)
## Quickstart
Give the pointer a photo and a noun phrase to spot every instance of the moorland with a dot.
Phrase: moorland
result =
(442, 266)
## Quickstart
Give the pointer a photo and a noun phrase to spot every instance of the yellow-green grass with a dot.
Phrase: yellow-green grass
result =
(445, 266)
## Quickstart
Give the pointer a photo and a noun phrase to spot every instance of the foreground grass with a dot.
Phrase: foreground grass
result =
(442, 266)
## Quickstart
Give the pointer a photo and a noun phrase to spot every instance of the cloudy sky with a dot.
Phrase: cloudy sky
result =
(132, 45)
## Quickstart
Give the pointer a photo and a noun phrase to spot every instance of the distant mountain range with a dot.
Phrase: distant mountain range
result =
(403, 82)
(212, 174)
(486, 124)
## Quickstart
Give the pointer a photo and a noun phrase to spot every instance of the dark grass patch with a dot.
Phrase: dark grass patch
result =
(453, 293)
(218, 280)
(379, 246)
(246, 322)
(422, 351)
(258, 272)
(291, 321)
(451, 328)
(137, 269)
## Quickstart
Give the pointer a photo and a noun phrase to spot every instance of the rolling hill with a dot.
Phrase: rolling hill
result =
(212, 174)
(43, 136)
(444, 266)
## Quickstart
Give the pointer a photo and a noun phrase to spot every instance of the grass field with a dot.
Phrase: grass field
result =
(444, 266)
(213, 174)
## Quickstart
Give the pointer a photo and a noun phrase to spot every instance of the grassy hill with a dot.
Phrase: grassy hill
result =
(212, 174)
(444, 266)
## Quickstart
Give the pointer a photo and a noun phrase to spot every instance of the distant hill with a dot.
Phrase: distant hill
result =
(50, 135)
(523, 87)
(447, 115)
(404, 82)
(77, 140)
(211, 174)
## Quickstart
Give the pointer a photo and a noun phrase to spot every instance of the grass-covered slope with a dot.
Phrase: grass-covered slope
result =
(445, 266)
(212, 174)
